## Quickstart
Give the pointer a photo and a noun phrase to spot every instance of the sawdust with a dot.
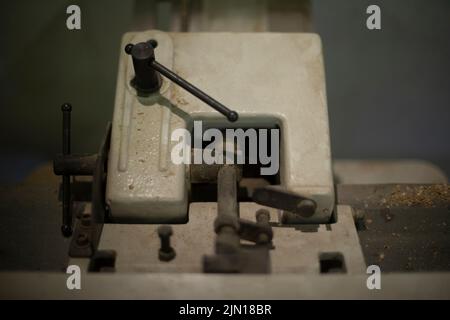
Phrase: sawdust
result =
(418, 196)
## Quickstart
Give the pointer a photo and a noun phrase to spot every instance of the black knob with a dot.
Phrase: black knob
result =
(146, 79)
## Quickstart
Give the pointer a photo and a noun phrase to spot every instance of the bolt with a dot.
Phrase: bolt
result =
(166, 252)
(306, 207)
(66, 230)
(82, 239)
(86, 219)
(128, 48)
(262, 216)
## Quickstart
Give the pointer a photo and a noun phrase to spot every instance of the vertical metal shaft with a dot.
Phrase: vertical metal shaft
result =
(227, 192)
(227, 221)
(66, 227)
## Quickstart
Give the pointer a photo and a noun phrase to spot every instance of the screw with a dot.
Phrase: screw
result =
(262, 216)
(307, 207)
(86, 219)
(166, 252)
(82, 239)
(128, 48)
(66, 230)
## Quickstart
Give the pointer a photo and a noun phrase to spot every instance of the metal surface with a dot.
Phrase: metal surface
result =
(143, 184)
(297, 247)
(406, 239)
(225, 287)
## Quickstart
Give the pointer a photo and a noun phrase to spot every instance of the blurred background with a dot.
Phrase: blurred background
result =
(388, 90)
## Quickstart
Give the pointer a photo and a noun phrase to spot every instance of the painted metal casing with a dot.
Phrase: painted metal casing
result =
(268, 78)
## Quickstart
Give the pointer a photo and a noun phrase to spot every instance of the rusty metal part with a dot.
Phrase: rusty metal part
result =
(227, 205)
(92, 224)
(208, 173)
(103, 261)
(230, 256)
(280, 198)
(227, 241)
(259, 233)
(263, 220)
(226, 224)
(74, 164)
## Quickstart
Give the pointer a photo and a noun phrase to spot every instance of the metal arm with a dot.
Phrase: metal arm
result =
(147, 79)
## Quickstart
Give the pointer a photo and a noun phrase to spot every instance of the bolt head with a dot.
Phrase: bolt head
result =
(165, 231)
(166, 255)
(306, 207)
(66, 107)
(128, 48)
(66, 231)
(82, 239)
(142, 51)
(263, 216)
(233, 116)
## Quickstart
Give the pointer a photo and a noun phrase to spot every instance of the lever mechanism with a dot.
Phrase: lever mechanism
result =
(148, 80)
(280, 198)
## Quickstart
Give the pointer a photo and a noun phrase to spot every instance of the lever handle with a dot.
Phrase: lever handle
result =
(66, 227)
(280, 198)
(147, 79)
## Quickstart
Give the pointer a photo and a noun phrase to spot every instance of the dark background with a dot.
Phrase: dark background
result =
(388, 90)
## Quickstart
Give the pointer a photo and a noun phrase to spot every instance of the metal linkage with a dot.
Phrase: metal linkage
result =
(230, 256)
(280, 198)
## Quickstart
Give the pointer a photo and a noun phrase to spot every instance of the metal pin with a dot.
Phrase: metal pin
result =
(66, 227)
(166, 252)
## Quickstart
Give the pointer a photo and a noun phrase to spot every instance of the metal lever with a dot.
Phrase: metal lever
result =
(66, 227)
(280, 198)
(147, 78)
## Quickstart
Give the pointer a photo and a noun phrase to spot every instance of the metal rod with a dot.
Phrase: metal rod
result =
(227, 221)
(230, 114)
(66, 227)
